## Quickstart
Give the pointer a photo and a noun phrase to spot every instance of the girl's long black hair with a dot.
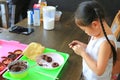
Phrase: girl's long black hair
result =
(112, 47)
(89, 11)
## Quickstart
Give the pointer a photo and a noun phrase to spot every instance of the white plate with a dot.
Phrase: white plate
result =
(48, 65)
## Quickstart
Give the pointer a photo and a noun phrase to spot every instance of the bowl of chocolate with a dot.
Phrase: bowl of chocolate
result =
(50, 60)
(18, 69)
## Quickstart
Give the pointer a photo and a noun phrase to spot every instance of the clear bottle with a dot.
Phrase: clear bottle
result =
(42, 4)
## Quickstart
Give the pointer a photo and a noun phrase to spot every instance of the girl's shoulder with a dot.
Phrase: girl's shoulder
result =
(111, 38)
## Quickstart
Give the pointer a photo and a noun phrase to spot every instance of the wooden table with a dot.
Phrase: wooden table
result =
(65, 31)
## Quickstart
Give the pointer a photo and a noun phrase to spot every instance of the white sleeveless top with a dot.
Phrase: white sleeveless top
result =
(92, 49)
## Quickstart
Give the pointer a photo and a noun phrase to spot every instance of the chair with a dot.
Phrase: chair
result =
(116, 30)
(4, 13)
(116, 25)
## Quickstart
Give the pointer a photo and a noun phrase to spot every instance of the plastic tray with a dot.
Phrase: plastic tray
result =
(9, 46)
(37, 73)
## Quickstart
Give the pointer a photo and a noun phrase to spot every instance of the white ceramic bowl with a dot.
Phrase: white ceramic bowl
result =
(50, 60)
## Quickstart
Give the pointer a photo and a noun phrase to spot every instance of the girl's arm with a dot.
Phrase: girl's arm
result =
(103, 57)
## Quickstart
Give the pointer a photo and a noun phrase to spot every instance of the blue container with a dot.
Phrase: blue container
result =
(30, 17)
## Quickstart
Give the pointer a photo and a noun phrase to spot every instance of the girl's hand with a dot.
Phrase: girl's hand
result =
(78, 47)
(75, 42)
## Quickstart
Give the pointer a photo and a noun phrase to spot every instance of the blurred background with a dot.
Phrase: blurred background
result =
(111, 7)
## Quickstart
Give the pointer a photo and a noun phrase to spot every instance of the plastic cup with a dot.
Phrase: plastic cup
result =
(49, 17)
(58, 15)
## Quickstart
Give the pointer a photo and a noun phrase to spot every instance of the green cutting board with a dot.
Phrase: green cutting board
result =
(45, 74)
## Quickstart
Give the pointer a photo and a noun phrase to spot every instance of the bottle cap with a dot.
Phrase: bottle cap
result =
(36, 6)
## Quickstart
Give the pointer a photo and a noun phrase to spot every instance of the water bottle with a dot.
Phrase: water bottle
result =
(30, 17)
(42, 4)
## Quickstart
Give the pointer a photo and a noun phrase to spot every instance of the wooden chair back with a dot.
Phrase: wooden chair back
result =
(116, 25)
(116, 30)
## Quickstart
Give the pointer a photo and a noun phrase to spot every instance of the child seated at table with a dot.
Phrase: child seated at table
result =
(99, 55)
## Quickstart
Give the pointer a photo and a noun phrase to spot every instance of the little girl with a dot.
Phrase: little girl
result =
(99, 54)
